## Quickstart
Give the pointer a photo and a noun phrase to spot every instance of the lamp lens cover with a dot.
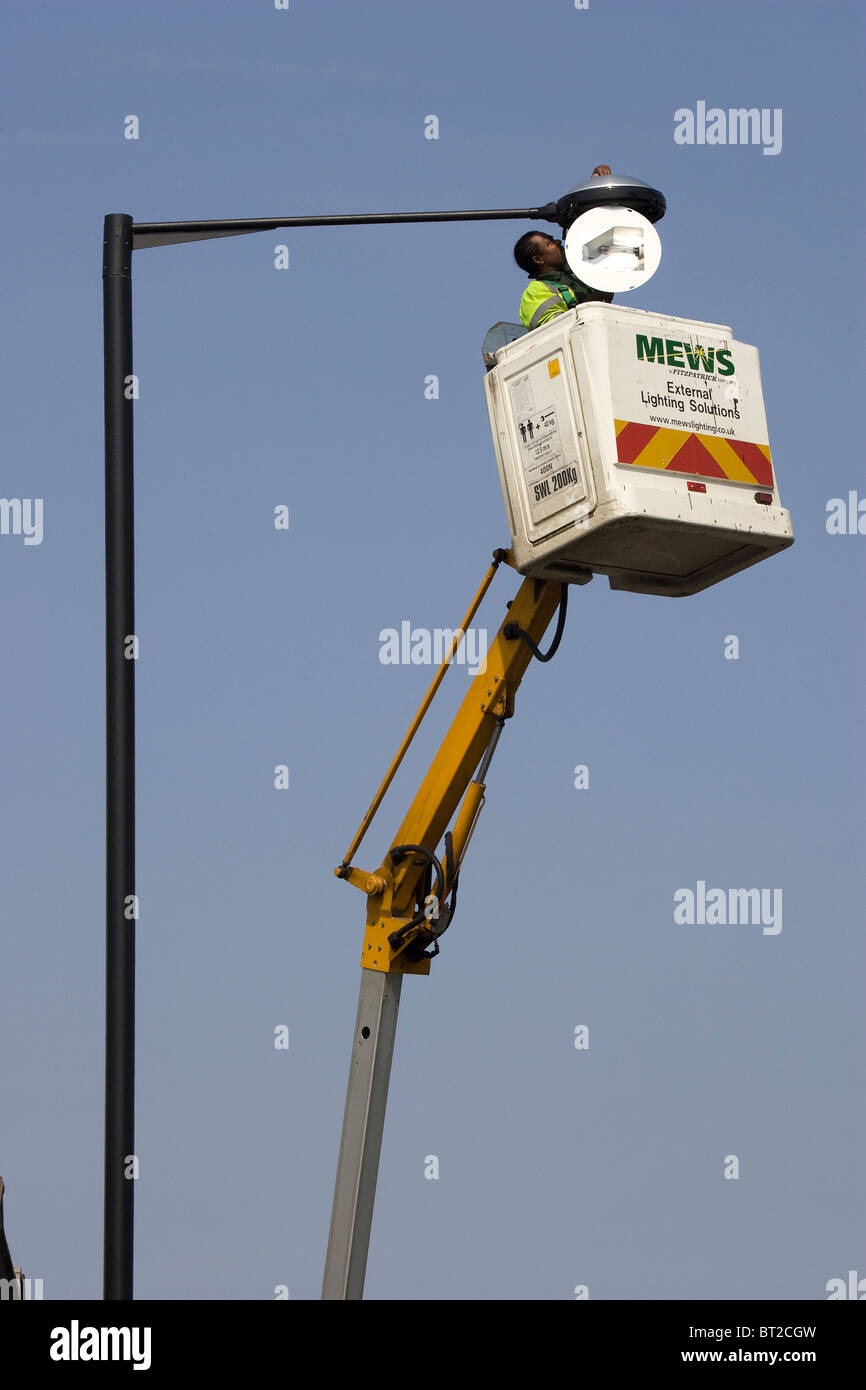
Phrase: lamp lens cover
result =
(613, 249)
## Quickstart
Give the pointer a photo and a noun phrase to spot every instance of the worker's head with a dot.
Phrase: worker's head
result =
(539, 254)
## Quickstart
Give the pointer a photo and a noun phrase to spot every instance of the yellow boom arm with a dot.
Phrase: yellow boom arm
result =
(402, 917)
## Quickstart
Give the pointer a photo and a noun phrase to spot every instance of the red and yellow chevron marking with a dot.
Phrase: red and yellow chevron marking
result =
(679, 451)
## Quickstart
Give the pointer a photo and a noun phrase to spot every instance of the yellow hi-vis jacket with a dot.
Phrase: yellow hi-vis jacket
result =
(555, 294)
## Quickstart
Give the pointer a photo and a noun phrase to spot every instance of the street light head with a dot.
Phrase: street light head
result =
(610, 190)
(610, 242)
(613, 249)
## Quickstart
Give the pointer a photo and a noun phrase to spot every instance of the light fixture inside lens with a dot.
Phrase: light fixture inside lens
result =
(613, 249)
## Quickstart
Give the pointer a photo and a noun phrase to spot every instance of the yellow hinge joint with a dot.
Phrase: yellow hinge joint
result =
(360, 878)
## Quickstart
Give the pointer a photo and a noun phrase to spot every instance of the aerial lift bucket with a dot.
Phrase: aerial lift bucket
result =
(634, 445)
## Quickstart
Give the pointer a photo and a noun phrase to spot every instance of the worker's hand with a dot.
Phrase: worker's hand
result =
(600, 170)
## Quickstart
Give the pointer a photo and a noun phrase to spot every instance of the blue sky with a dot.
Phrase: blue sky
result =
(305, 387)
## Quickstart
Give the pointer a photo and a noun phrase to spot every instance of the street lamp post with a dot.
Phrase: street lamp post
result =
(120, 760)
(122, 237)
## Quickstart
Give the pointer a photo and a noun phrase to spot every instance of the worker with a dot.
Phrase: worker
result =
(552, 289)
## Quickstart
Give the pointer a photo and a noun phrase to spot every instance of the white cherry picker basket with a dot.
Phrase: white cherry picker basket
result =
(634, 445)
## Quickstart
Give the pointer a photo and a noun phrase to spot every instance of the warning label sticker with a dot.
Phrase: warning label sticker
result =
(521, 395)
(552, 480)
(542, 459)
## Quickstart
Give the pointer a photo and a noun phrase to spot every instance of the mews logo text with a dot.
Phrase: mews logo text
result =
(673, 353)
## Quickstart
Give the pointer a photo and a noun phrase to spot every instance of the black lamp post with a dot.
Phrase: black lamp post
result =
(122, 236)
